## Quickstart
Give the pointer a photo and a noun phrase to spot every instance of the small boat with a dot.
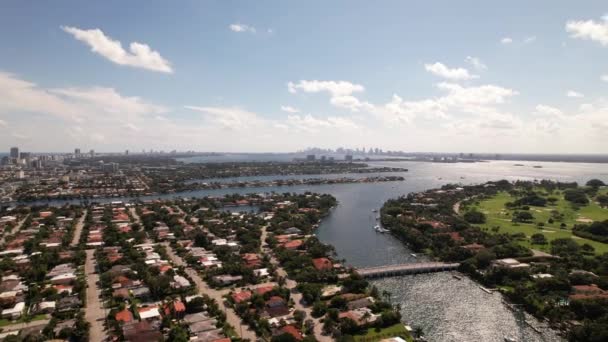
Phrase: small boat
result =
(455, 276)
(374, 210)
(414, 255)
(380, 229)
(510, 339)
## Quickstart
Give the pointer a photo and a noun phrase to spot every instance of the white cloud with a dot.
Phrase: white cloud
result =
(548, 110)
(242, 28)
(3, 123)
(478, 101)
(290, 109)
(139, 55)
(310, 124)
(506, 40)
(455, 74)
(476, 63)
(572, 93)
(79, 114)
(335, 88)
(529, 39)
(604, 78)
(231, 118)
(588, 30)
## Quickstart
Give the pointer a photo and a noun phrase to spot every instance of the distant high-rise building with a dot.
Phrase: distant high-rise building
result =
(310, 157)
(92, 153)
(15, 152)
(110, 167)
(126, 152)
(76, 152)
(349, 158)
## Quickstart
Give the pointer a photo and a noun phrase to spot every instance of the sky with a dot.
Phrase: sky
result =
(279, 76)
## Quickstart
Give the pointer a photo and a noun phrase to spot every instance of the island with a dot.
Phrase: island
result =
(541, 244)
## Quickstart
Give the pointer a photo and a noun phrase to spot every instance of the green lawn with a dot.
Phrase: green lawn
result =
(392, 331)
(5, 322)
(498, 216)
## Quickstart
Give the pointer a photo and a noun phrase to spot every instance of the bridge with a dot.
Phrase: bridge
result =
(403, 269)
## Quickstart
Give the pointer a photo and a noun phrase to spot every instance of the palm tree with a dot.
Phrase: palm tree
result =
(418, 332)
(386, 295)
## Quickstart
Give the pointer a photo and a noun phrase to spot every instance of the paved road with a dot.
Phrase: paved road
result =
(296, 296)
(233, 319)
(94, 312)
(78, 230)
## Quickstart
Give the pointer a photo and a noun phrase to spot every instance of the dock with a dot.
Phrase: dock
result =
(404, 269)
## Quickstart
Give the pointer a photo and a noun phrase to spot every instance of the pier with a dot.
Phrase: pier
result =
(404, 269)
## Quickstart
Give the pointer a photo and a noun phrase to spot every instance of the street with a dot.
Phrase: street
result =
(94, 313)
(231, 317)
(78, 229)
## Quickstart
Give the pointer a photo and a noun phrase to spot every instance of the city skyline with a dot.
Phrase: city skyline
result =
(218, 77)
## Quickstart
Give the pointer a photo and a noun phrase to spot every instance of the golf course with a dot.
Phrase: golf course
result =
(555, 219)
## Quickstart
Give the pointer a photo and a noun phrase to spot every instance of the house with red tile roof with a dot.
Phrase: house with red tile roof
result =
(264, 289)
(242, 296)
(322, 264)
(588, 292)
(293, 245)
(251, 260)
(124, 316)
(293, 331)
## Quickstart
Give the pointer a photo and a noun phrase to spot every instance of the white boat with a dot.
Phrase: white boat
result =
(380, 229)
(414, 255)
(510, 339)
(374, 210)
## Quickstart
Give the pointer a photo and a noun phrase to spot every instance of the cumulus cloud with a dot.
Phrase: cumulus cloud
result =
(478, 100)
(476, 63)
(456, 74)
(529, 39)
(588, 30)
(604, 78)
(3, 123)
(289, 109)
(506, 40)
(139, 55)
(572, 93)
(242, 28)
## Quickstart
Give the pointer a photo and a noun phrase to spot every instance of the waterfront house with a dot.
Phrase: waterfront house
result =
(509, 263)
(322, 264)
(587, 292)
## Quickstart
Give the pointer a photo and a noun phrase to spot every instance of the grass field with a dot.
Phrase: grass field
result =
(499, 216)
(392, 331)
(5, 322)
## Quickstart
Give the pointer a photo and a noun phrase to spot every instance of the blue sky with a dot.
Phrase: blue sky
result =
(215, 75)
